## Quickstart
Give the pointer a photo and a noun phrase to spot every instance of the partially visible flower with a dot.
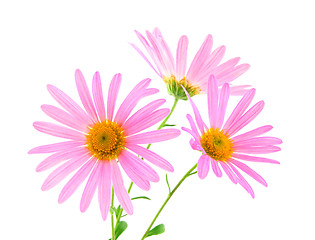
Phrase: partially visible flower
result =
(219, 145)
(98, 138)
(203, 65)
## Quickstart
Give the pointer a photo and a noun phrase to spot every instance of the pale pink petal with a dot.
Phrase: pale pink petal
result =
(147, 122)
(181, 57)
(63, 171)
(55, 147)
(104, 188)
(249, 116)
(254, 159)
(193, 134)
(200, 58)
(228, 172)
(119, 188)
(212, 94)
(239, 90)
(151, 157)
(64, 117)
(143, 113)
(240, 108)
(252, 133)
(98, 96)
(233, 74)
(224, 98)
(90, 187)
(203, 166)
(145, 58)
(241, 180)
(68, 104)
(112, 95)
(85, 95)
(76, 180)
(153, 136)
(198, 118)
(195, 145)
(59, 131)
(215, 167)
(249, 171)
(224, 67)
(257, 150)
(258, 141)
(59, 157)
(132, 173)
(139, 166)
(193, 126)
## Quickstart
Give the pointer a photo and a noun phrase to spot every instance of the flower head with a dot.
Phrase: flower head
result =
(219, 145)
(203, 65)
(98, 137)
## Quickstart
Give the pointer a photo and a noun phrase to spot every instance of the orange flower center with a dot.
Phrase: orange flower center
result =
(105, 140)
(217, 144)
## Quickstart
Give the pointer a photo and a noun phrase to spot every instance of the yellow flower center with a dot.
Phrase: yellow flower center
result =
(105, 140)
(217, 144)
(174, 87)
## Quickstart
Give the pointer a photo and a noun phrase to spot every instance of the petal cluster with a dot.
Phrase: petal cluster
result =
(73, 155)
(205, 63)
(243, 145)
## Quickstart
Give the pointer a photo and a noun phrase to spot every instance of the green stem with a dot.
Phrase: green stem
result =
(149, 145)
(168, 198)
(112, 216)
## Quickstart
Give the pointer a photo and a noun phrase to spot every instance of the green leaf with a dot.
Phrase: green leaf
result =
(117, 211)
(192, 173)
(169, 125)
(112, 210)
(120, 228)
(168, 185)
(159, 229)
(140, 197)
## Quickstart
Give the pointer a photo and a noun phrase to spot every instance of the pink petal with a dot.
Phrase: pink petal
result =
(224, 67)
(228, 172)
(250, 115)
(153, 136)
(143, 113)
(112, 95)
(196, 137)
(181, 57)
(90, 187)
(240, 108)
(119, 188)
(151, 157)
(132, 173)
(203, 166)
(212, 95)
(249, 171)
(59, 157)
(254, 159)
(257, 150)
(139, 166)
(214, 59)
(147, 122)
(85, 95)
(55, 147)
(193, 126)
(215, 167)
(104, 188)
(63, 171)
(59, 131)
(68, 104)
(76, 180)
(64, 117)
(98, 96)
(252, 133)
(195, 145)
(233, 74)
(239, 90)
(258, 141)
(224, 98)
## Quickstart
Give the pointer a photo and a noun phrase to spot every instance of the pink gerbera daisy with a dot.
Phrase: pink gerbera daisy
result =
(203, 65)
(98, 138)
(219, 145)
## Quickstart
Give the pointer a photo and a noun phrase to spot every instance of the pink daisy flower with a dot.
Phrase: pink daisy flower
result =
(98, 137)
(218, 144)
(203, 65)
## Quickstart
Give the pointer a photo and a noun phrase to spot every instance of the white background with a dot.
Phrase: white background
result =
(44, 42)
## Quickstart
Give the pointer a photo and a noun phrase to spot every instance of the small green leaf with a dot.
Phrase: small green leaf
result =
(169, 125)
(120, 228)
(168, 185)
(140, 197)
(117, 211)
(159, 229)
(112, 210)
(124, 215)
(192, 173)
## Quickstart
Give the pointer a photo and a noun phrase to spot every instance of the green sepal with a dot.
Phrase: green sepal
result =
(159, 229)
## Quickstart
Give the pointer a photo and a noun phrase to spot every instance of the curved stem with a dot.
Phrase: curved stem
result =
(168, 198)
(112, 216)
(149, 145)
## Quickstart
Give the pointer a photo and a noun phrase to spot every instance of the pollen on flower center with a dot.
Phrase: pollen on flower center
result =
(174, 87)
(105, 140)
(217, 144)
